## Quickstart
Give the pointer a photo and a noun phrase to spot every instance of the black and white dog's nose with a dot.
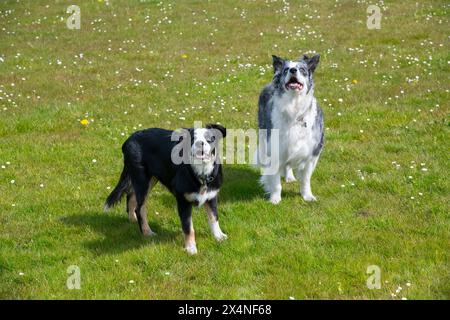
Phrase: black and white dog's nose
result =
(293, 70)
(199, 144)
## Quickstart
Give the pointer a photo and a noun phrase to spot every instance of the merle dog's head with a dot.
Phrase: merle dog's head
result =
(205, 141)
(294, 76)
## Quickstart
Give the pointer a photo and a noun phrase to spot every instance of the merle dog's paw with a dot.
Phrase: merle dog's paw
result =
(309, 197)
(290, 178)
(275, 198)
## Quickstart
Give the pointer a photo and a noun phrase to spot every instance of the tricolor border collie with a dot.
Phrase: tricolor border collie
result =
(149, 157)
(288, 104)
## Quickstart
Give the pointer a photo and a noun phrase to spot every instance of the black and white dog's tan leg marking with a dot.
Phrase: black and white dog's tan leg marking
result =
(213, 219)
(141, 185)
(131, 206)
(144, 212)
(185, 213)
(305, 174)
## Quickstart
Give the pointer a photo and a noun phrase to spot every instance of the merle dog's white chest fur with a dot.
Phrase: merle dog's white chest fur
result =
(294, 118)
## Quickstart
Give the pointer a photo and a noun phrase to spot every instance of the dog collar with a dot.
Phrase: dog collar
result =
(301, 121)
(205, 179)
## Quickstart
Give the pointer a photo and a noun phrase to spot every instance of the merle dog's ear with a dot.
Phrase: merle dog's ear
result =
(222, 129)
(277, 63)
(312, 62)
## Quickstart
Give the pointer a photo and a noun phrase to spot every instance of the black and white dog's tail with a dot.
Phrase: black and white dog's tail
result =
(122, 187)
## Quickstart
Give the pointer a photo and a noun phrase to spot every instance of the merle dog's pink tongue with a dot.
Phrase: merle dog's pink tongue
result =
(295, 85)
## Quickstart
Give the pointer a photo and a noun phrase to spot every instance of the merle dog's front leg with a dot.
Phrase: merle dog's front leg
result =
(213, 219)
(305, 179)
(185, 213)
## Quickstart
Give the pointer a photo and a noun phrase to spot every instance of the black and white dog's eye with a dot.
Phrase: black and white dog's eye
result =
(211, 139)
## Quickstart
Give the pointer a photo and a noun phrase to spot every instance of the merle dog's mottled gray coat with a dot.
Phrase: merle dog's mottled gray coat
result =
(276, 87)
(288, 105)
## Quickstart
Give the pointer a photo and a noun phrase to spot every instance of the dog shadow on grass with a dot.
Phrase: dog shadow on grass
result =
(118, 234)
(241, 183)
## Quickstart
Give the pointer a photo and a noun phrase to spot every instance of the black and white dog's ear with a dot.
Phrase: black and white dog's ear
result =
(312, 62)
(277, 63)
(183, 134)
(190, 133)
(221, 129)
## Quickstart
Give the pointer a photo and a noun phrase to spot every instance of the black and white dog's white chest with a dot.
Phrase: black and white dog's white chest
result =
(200, 197)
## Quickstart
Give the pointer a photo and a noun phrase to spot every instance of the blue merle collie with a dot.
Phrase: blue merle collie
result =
(288, 104)
(154, 155)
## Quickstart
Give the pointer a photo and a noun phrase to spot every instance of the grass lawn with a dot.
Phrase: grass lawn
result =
(382, 182)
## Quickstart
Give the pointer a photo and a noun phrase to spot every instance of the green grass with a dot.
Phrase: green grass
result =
(385, 130)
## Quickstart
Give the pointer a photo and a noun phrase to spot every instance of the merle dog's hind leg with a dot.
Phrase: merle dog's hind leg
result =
(289, 174)
(305, 179)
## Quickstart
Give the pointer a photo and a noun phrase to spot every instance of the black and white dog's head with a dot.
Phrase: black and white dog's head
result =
(204, 151)
(197, 146)
(204, 143)
(294, 76)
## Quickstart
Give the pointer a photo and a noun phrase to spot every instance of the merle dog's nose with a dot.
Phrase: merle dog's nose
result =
(293, 70)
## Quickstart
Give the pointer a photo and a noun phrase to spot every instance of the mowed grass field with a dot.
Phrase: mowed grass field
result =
(382, 182)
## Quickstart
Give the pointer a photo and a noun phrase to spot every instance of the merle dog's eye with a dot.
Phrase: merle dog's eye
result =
(303, 71)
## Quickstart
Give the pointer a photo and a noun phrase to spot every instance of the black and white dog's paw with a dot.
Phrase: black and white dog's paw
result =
(148, 232)
(132, 217)
(191, 249)
(220, 236)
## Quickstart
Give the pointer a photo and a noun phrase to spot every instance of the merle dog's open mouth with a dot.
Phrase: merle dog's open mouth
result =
(294, 84)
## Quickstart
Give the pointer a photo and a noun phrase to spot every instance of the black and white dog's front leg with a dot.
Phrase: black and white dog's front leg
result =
(185, 213)
(213, 219)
